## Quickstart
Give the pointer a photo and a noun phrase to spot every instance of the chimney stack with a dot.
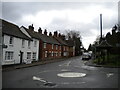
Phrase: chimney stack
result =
(40, 30)
(59, 35)
(45, 32)
(55, 33)
(50, 34)
(31, 27)
(63, 37)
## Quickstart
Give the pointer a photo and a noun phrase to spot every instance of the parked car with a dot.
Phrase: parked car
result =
(86, 56)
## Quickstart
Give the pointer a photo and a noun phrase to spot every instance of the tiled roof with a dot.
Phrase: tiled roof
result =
(44, 38)
(33, 34)
(70, 42)
(60, 40)
(48, 39)
(12, 30)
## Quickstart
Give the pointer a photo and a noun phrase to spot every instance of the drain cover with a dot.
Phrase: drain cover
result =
(49, 84)
(71, 74)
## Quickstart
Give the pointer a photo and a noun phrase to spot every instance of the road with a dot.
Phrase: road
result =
(70, 73)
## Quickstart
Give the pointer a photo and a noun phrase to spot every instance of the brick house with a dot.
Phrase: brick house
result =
(71, 48)
(61, 39)
(50, 48)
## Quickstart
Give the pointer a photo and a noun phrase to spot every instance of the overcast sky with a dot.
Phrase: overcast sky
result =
(62, 16)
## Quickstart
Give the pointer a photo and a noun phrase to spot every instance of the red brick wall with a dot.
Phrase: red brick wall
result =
(49, 51)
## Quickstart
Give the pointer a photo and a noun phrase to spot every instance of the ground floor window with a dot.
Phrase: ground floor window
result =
(34, 55)
(60, 54)
(52, 53)
(28, 55)
(9, 55)
(45, 53)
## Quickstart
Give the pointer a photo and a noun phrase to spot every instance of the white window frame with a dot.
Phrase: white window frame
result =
(34, 55)
(44, 45)
(29, 55)
(46, 53)
(11, 40)
(52, 53)
(59, 53)
(9, 55)
(52, 46)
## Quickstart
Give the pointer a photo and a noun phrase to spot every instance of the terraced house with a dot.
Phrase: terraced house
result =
(50, 47)
(20, 48)
(25, 45)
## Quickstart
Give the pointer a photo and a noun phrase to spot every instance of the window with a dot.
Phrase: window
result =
(45, 53)
(56, 53)
(8, 55)
(28, 55)
(49, 53)
(34, 55)
(52, 53)
(28, 44)
(44, 45)
(56, 47)
(35, 43)
(64, 48)
(11, 40)
(60, 54)
(60, 47)
(23, 43)
(52, 46)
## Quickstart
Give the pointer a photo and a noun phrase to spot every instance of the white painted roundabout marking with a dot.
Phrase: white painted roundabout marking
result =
(71, 74)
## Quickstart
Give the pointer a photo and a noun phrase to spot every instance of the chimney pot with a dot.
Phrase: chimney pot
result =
(45, 32)
(50, 34)
(31, 27)
(40, 30)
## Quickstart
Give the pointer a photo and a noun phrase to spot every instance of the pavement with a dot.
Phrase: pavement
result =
(18, 66)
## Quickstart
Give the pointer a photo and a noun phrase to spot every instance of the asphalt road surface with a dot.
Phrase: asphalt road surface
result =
(70, 73)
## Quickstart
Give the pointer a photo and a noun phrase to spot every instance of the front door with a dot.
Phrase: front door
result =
(21, 57)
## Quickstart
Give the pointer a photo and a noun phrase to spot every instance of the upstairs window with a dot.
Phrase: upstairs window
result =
(29, 44)
(23, 43)
(44, 45)
(52, 46)
(56, 47)
(35, 43)
(60, 47)
(11, 40)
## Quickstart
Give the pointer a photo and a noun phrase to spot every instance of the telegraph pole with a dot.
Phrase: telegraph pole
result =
(101, 26)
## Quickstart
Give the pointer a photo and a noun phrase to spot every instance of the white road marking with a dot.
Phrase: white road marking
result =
(71, 74)
(39, 79)
(109, 74)
(65, 64)
(64, 70)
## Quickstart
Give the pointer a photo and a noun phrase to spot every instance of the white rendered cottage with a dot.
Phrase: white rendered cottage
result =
(20, 48)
